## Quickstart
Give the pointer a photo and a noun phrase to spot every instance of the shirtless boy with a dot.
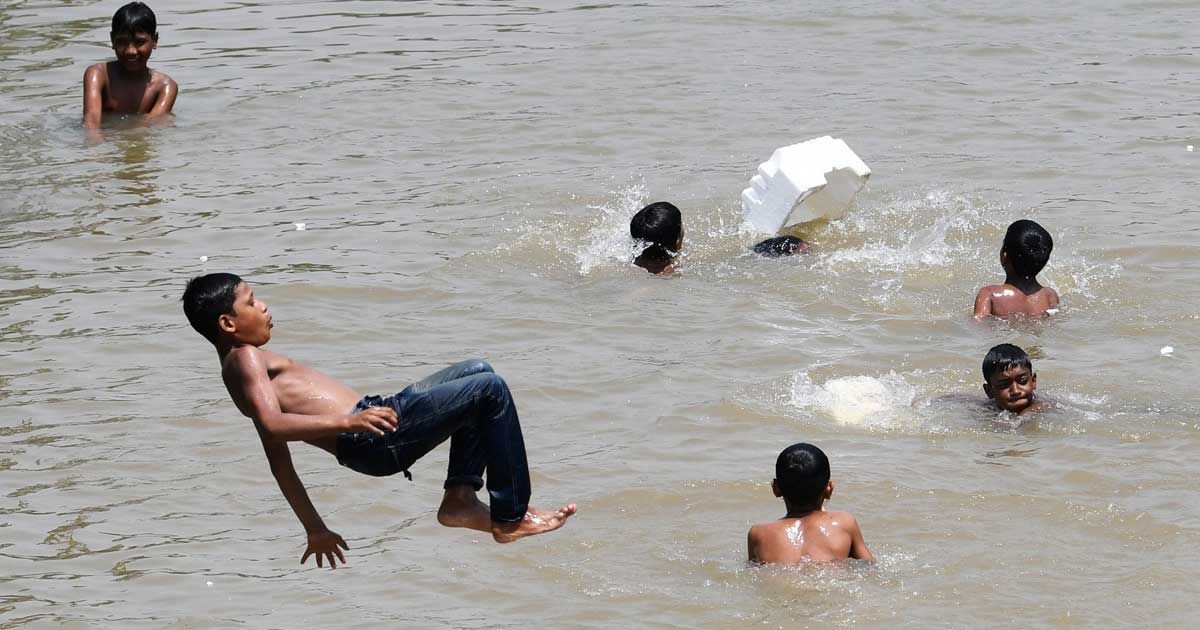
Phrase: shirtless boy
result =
(288, 402)
(1025, 251)
(128, 85)
(807, 531)
(1009, 379)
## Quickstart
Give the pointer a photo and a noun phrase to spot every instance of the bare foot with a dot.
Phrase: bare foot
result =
(461, 508)
(535, 522)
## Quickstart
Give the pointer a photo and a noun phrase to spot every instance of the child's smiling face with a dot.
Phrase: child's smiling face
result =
(133, 49)
(1012, 389)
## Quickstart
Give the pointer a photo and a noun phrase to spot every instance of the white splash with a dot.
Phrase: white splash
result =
(1167, 350)
(300, 227)
(858, 400)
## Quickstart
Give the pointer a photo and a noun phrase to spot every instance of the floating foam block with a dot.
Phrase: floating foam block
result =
(803, 182)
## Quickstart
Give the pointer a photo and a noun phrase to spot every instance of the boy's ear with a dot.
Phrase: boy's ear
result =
(225, 324)
(1033, 381)
(987, 389)
(775, 488)
(829, 490)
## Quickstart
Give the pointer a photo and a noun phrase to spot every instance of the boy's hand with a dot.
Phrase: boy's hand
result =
(325, 544)
(377, 420)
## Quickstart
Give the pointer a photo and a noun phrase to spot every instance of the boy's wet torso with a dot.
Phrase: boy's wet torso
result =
(300, 389)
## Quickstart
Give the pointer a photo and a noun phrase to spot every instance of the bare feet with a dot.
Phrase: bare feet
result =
(461, 508)
(535, 522)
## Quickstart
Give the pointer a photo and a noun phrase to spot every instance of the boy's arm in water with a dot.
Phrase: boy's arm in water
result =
(983, 302)
(246, 378)
(94, 81)
(165, 100)
(322, 542)
(752, 544)
(858, 546)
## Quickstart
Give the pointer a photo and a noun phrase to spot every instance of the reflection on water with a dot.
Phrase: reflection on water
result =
(466, 173)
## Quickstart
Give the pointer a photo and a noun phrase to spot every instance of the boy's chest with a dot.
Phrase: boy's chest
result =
(135, 97)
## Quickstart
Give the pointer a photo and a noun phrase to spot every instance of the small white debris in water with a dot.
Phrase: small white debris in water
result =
(300, 227)
(1166, 351)
(209, 582)
(1191, 148)
(204, 259)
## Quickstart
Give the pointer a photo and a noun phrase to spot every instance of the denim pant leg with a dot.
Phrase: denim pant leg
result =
(446, 374)
(479, 416)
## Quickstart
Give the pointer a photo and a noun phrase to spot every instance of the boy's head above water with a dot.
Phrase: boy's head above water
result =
(661, 225)
(1009, 379)
(802, 477)
(223, 308)
(134, 35)
(1026, 248)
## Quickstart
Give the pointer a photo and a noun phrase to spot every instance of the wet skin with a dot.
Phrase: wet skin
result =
(127, 85)
(1013, 389)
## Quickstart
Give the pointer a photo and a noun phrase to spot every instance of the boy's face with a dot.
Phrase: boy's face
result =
(133, 49)
(1012, 389)
(250, 322)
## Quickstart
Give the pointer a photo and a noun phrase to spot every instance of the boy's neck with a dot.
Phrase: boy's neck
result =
(800, 511)
(1028, 285)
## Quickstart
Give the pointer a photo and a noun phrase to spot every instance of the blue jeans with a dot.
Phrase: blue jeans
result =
(468, 403)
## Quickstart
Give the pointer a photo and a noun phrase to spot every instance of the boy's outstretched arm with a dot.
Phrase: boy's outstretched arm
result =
(322, 542)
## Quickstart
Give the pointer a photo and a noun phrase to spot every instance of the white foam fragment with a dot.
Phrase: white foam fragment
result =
(300, 227)
(802, 182)
(1166, 351)
(204, 259)
(1191, 148)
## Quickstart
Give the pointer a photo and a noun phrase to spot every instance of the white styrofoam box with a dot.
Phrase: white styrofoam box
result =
(803, 182)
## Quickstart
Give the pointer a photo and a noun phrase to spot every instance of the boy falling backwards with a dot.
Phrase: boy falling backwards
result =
(289, 402)
(807, 531)
(1025, 252)
(128, 85)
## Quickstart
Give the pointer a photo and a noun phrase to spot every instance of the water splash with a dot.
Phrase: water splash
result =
(884, 402)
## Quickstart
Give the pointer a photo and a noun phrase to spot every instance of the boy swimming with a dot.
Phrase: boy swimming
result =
(1025, 251)
(288, 402)
(660, 225)
(1009, 379)
(807, 531)
(128, 85)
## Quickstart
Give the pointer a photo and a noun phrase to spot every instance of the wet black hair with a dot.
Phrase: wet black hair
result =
(802, 472)
(779, 246)
(660, 224)
(1028, 247)
(1004, 357)
(206, 299)
(132, 18)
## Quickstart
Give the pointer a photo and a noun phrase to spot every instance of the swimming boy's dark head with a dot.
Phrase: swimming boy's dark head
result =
(134, 35)
(1027, 247)
(1008, 378)
(223, 308)
(778, 246)
(660, 224)
(802, 477)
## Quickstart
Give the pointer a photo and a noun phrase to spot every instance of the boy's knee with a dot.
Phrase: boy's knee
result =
(493, 386)
(477, 366)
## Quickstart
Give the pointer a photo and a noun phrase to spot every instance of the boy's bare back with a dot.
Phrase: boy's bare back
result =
(819, 536)
(1002, 300)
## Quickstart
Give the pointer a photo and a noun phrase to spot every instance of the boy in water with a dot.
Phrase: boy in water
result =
(1025, 251)
(1009, 379)
(289, 402)
(660, 225)
(128, 85)
(807, 531)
